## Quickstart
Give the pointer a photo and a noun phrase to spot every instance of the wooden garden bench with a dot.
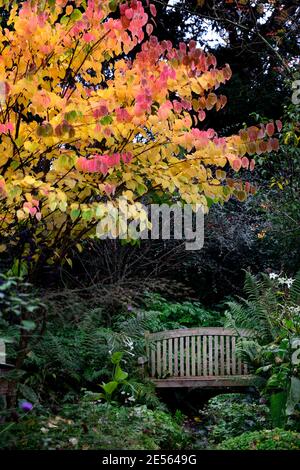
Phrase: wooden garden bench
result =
(197, 357)
(4, 370)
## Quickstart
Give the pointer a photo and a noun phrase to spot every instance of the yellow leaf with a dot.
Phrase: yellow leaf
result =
(69, 261)
(79, 247)
(21, 214)
(31, 146)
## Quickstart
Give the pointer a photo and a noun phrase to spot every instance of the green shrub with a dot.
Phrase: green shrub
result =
(174, 315)
(233, 414)
(272, 312)
(276, 439)
(95, 426)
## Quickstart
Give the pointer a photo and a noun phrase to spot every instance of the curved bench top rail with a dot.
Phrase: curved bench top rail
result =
(184, 332)
(2, 352)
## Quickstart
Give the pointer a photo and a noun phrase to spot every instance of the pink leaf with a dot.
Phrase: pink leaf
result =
(245, 162)
(123, 115)
(10, 126)
(253, 133)
(82, 164)
(109, 189)
(129, 13)
(153, 10)
(149, 29)
(270, 129)
(201, 115)
(279, 125)
(236, 164)
(177, 106)
(88, 37)
(252, 165)
(127, 157)
(3, 192)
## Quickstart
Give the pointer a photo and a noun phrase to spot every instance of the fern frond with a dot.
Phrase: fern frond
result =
(257, 312)
(295, 289)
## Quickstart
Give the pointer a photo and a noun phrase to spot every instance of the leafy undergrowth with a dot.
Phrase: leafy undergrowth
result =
(226, 416)
(96, 426)
(276, 439)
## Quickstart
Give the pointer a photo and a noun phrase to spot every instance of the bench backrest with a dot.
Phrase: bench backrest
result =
(195, 352)
(2, 352)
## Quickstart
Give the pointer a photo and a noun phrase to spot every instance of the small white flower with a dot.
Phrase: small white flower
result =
(289, 282)
(294, 309)
(73, 441)
(273, 276)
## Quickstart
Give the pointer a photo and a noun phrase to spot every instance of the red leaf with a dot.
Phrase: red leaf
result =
(275, 144)
(247, 186)
(263, 146)
(270, 129)
(279, 125)
(153, 10)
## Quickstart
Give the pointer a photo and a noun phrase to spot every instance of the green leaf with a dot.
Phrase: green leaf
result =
(209, 201)
(264, 368)
(106, 120)
(75, 213)
(93, 397)
(64, 20)
(87, 214)
(76, 15)
(141, 189)
(116, 357)
(19, 269)
(109, 387)
(28, 325)
(277, 406)
(113, 5)
(120, 375)
(28, 393)
(71, 115)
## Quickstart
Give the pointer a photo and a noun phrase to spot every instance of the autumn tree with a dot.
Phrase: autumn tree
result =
(83, 123)
(258, 38)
